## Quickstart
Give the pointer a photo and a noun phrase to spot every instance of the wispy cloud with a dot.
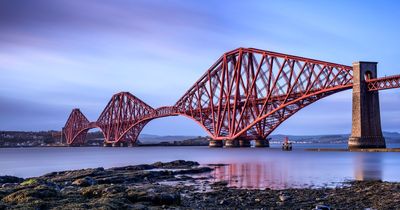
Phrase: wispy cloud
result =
(57, 55)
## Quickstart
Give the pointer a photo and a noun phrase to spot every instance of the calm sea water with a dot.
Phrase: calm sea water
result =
(246, 167)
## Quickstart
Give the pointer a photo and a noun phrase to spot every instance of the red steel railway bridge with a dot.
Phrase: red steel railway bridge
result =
(245, 95)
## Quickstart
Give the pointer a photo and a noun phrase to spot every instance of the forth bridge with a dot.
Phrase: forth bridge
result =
(245, 95)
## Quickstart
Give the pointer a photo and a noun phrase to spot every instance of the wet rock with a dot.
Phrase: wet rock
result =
(10, 179)
(84, 182)
(284, 197)
(93, 191)
(29, 195)
(136, 195)
(167, 199)
(3, 206)
(9, 185)
(194, 170)
(65, 176)
(176, 164)
(114, 189)
(69, 191)
(134, 168)
(322, 207)
(219, 184)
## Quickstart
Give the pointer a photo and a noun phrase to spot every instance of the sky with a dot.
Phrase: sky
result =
(56, 55)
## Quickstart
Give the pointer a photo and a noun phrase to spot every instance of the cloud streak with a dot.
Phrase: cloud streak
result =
(57, 55)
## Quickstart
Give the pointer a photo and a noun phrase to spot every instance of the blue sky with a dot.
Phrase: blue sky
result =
(58, 55)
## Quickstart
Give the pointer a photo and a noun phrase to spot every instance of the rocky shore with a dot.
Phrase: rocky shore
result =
(178, 185)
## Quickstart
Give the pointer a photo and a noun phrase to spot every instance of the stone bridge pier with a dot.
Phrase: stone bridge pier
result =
(366, 129)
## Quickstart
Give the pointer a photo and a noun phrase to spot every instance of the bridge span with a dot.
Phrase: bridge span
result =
(245, 95)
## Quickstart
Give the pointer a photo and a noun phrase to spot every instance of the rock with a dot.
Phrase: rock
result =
(9, 185)
(322, 207)
(284, 197)
(65, 176)
(219, 184)
(194, 170)
(134, 168)
(10, 179)
(84, 182)
(167, 199)
(176, 164)
(257, 200)
(69, 190)
(3, 206)
(29, 195)
(92, 191)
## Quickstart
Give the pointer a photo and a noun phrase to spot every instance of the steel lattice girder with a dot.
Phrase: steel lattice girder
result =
(383, 83)
(122, 112)
(248, 92)
(76, 127)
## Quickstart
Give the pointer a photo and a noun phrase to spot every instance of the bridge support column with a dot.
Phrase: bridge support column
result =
(366, 129)
(262, 142)
(107, 144)
(215, 143)
(244, 143)
(232, 143)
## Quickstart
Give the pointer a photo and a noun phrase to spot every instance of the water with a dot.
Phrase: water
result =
(246, 167)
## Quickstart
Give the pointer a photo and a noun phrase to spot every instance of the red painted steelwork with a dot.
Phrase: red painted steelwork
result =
(76, 128)
(246, 94)
(384, 83)
(123, 111)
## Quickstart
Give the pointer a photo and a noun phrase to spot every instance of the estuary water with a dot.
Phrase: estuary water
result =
(245, 167)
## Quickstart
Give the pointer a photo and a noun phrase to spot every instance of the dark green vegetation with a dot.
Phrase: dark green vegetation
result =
(178, 185)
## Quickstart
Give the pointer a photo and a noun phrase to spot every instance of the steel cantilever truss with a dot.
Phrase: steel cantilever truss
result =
(122, 119)
(76, 127)
(246, 94)
(384, 83)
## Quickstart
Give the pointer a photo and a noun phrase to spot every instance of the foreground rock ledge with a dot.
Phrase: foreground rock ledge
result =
(173, 185)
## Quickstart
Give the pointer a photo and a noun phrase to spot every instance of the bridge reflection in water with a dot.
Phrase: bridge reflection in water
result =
(368, 166)
(264, 174)
(251, 175)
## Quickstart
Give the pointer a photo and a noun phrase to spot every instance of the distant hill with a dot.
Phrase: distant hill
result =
(391, 137)
(149, 138)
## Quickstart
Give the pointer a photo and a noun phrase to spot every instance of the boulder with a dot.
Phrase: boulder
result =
(84, 182)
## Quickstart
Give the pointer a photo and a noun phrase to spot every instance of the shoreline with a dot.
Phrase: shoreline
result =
(179, 184)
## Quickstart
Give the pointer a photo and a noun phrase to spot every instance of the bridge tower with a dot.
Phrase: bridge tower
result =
(366, 129)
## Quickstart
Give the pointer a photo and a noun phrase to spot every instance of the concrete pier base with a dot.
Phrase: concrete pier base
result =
(262, 143)
(366, 142)
(366, 131)
(244, 143)
(120, 144)
(231, 143)
(215, 143)
(107, 145)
